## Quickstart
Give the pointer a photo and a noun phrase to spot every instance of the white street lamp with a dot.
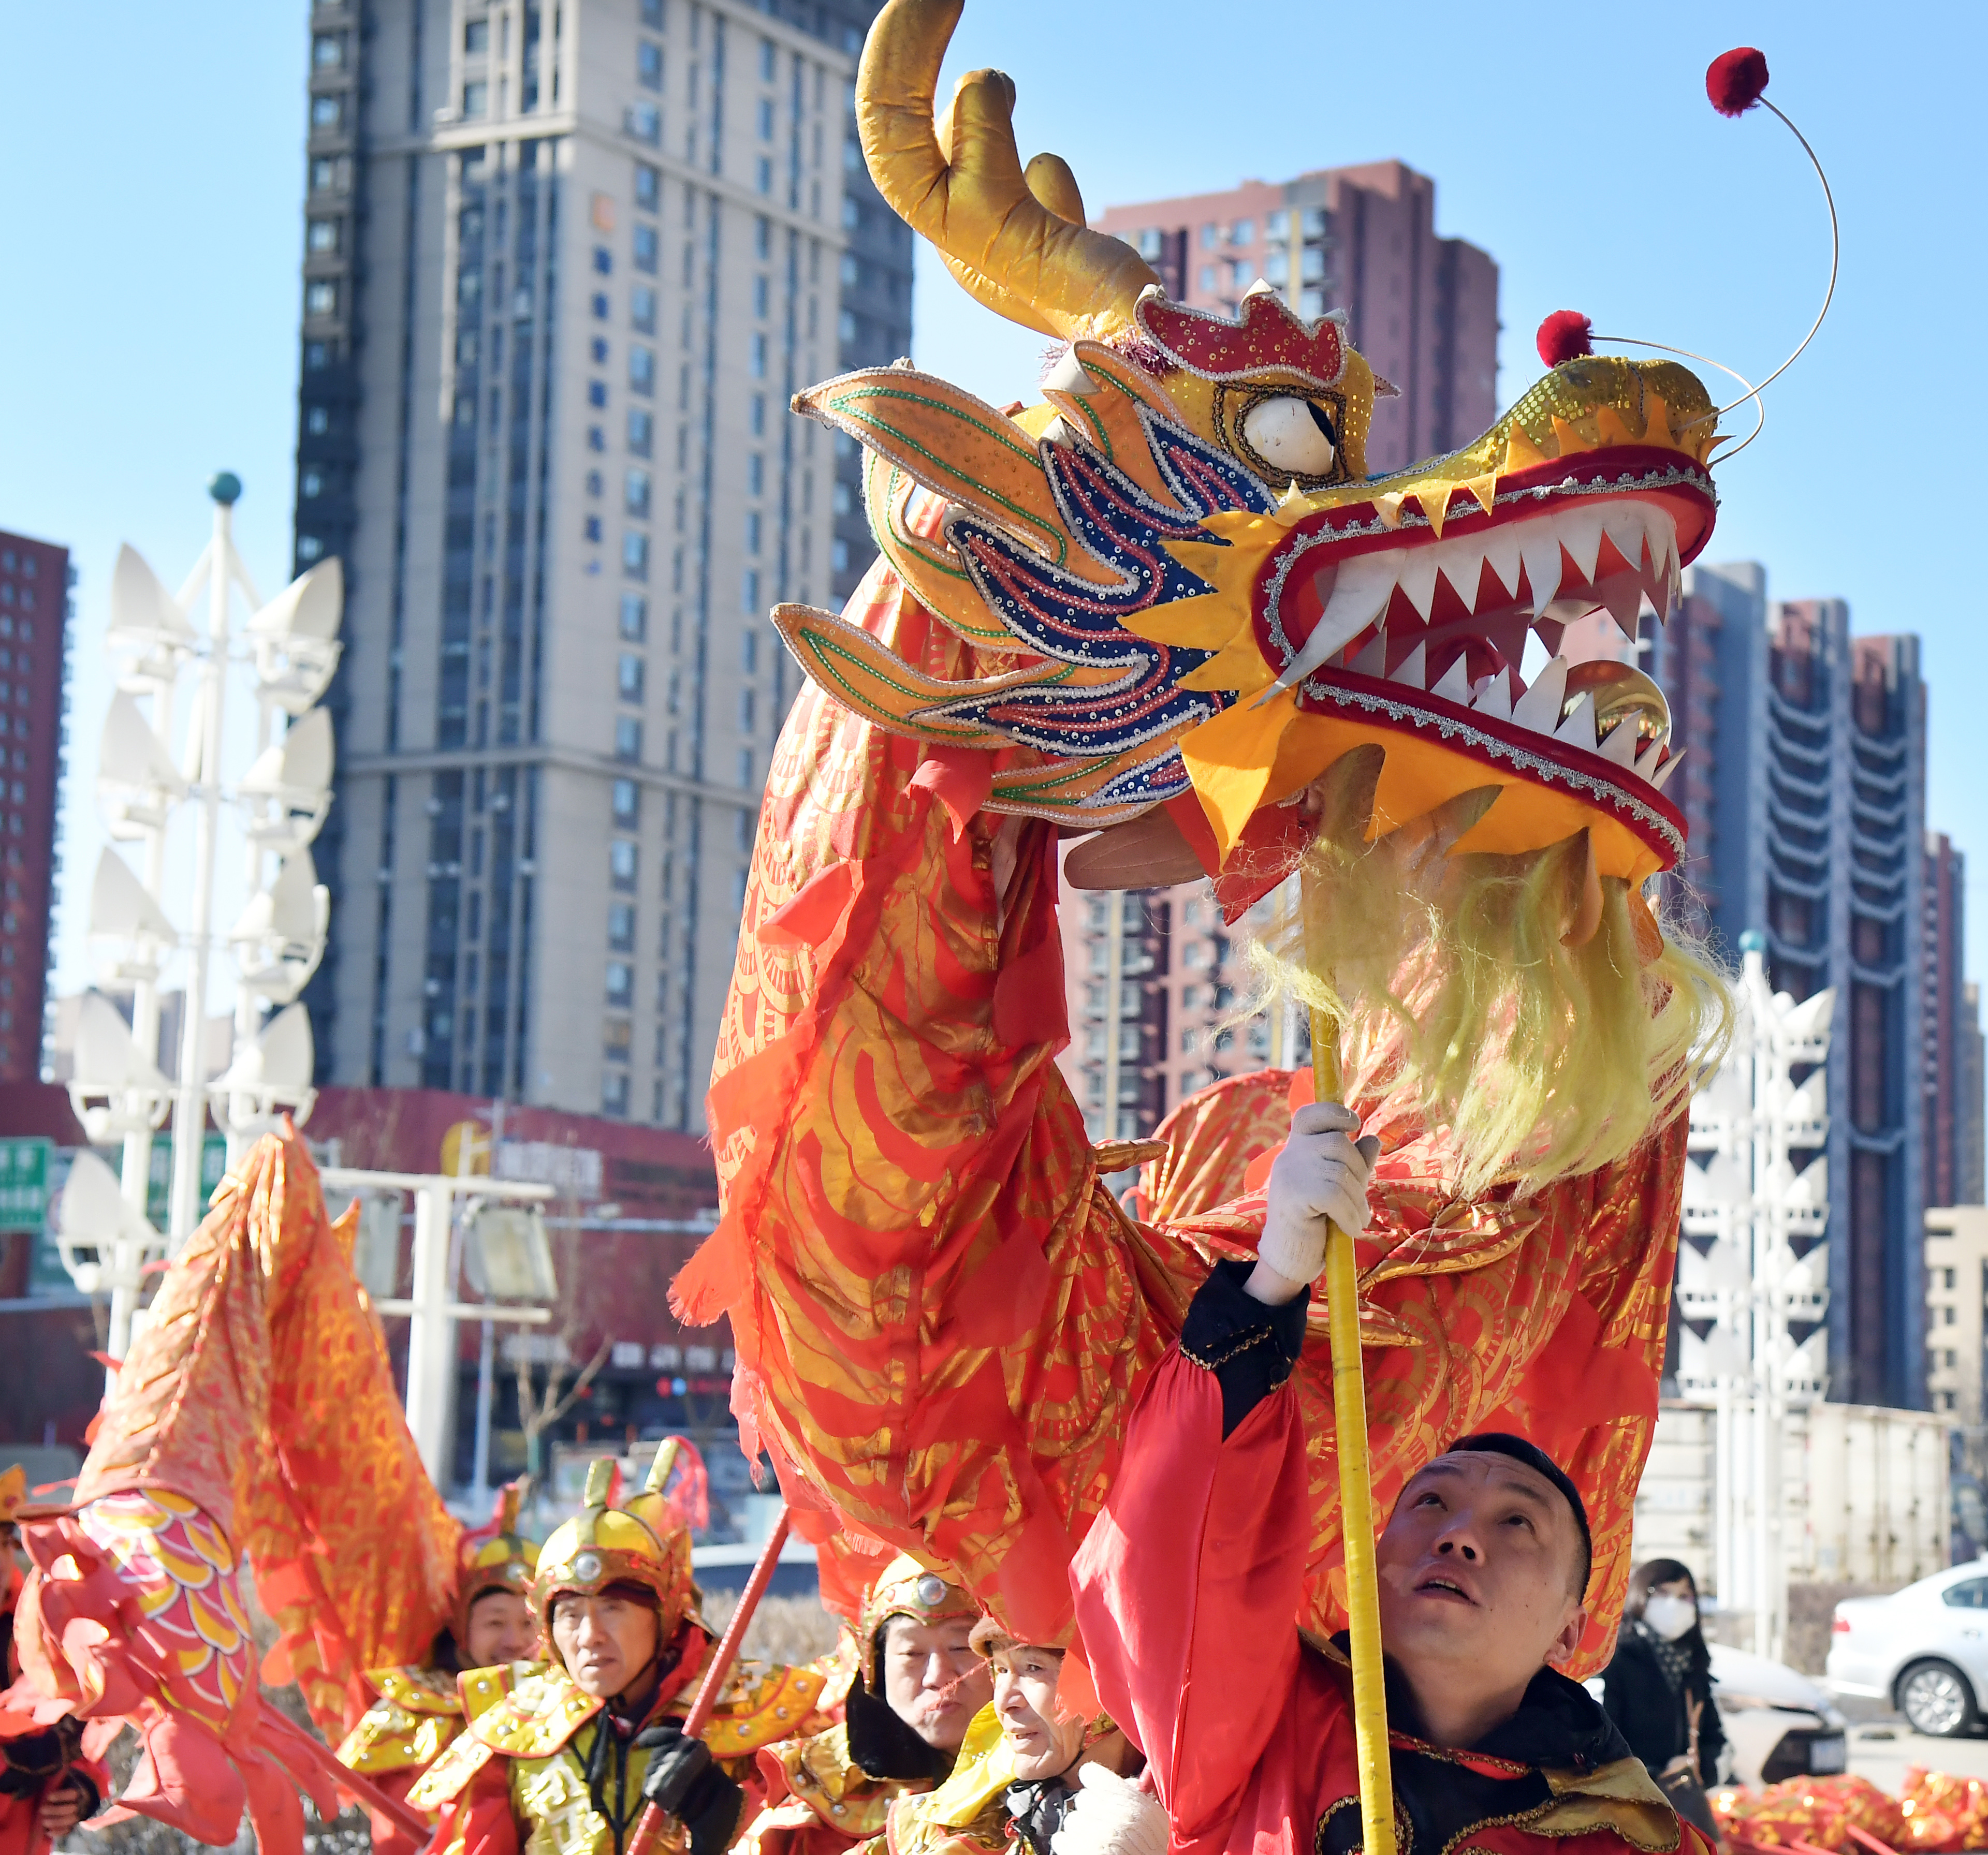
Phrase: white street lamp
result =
(279, 804)
(1749, 1281)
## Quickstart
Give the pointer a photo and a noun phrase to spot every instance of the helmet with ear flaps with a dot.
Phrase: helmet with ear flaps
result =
(605, 1545)
(496, 1557)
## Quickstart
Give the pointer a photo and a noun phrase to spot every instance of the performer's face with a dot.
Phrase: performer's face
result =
(933, 1680)
(1477, 1569)
(1025, 1686)
(607, 1642)
(500, 1629)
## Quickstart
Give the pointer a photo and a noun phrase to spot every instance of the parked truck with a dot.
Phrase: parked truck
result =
(1864, 1494)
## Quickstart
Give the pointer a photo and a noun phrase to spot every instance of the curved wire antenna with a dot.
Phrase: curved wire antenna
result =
(1753, 392)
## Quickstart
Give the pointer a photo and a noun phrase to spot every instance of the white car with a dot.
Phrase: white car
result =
(1779, 1724)
(1924, 1649)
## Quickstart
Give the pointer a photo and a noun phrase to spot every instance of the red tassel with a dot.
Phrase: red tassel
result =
(1734, 80)
(1565, 335)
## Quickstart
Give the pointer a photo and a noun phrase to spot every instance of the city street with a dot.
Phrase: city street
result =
(1883, 1751)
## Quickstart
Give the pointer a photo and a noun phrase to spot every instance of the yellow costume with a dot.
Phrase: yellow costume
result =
(541, 1766)
(418, 1713)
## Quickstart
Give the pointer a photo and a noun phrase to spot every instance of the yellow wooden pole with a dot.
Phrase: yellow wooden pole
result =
(1356, 1494)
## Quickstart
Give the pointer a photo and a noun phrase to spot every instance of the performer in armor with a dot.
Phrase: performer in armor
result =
(47, 1786)
(419, 1713)
(564, 1754)
(916, 1689)
(1483, 1569)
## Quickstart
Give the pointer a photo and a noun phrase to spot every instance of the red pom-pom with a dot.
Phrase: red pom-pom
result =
(1565, 335)
(1734, 80)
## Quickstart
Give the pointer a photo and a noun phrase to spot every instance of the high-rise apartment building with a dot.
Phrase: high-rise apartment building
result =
(1807, 809)
(1152, 1016)
(564, 265)
(1421, 308)
(34, 580)
(1951, 1073)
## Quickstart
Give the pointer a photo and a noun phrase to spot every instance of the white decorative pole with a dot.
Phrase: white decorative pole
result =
(1749, 1283)
(282, 800)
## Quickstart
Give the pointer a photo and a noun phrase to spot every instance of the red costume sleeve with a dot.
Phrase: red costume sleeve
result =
(1186, 1585)
(478, 1819)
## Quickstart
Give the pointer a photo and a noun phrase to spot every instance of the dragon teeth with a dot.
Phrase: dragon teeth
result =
(1539, 707)
(1495, 699)
(1412, 669)
(1578, 728)
(1622, 744)
(1657, 777)
(1454, 684)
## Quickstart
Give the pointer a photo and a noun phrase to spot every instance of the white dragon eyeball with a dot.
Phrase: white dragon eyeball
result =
(1290, 434)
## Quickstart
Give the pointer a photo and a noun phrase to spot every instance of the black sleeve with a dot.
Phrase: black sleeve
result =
(1250, 1347)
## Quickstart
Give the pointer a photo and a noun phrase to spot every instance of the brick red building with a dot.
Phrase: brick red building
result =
(34, 611)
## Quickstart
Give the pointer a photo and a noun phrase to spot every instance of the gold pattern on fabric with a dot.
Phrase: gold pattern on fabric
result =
(941, 1315)
(550, 1795)
(967, 1812)
(261, 1391)
(416, 1718)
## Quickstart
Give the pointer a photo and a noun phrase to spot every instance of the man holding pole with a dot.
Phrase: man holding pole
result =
(566, 1755)
(1187, 1586)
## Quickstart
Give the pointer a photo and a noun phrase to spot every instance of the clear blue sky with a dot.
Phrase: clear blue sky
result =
(154, 174)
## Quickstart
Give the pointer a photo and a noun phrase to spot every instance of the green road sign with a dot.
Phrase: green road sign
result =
(24, 1184)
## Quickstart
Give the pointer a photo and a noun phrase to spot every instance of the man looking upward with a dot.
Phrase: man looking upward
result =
(1188, 1585)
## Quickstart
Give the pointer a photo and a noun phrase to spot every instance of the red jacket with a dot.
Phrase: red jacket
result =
(1185, 1590)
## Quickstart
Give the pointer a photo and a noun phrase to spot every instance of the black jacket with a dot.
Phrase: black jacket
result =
(1650, 1713)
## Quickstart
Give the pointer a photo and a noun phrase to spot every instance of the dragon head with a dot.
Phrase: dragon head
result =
(1187, 599)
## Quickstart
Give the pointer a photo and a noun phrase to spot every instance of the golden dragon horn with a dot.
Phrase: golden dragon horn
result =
(959, 184)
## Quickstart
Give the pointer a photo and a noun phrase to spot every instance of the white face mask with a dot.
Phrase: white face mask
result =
(1670, 1617)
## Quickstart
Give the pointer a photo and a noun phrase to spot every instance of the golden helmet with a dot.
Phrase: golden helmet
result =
(493, 1558)
(603, 1545)
(905, 1587)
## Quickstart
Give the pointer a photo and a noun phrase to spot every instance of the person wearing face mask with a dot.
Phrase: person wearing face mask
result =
(1658, 1689)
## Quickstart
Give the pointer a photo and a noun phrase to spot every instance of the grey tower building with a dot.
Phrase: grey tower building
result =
(1807, 809)
(565, 263)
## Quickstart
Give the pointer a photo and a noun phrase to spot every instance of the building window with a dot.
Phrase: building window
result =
(755, 473)
(644, 122)
(327, 112)
(765, 61)
(1243, 233)
(641, 432)
(649, 64)
(755, 415)
(598, 348)
(593, 529)
(642, 368)
(621, 926)
(1205, 281)
(317, 420)
(323, 174)
(761, 295)
(752, 527)
(621, 863)
(620, 985)
(758, 357)
(652, 15)
(308, 547)
(763, 174)
(750, 589)
(635, 617)
(635, 555)
(600, 310)
(627, 738)
(597, 393)
(766, 119)
(648, 188)
(475, 100)
(845, 328)
(839, 554)
(320, 299)
(636, 500)
(645, 248)
(322, 235)
(476, 38)
(614, 1088)
(642, 308)
(604, 261)
(1211, 236)
(596, 439)
(1311, 304)
(310, 483)
(628, 676)
(745, 784)
(328, 51)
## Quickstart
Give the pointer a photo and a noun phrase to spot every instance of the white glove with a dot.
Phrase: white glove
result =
(1321, 1173)
(1111, 1816)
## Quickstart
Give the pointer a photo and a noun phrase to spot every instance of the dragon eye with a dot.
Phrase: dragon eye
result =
(1292, 435)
